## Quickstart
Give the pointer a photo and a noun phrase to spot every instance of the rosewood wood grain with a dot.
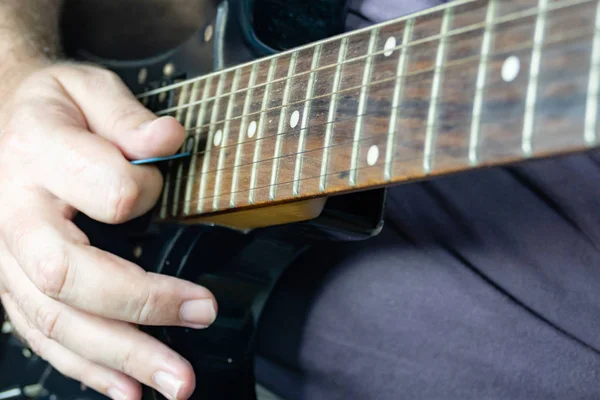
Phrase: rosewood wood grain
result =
(466, 85)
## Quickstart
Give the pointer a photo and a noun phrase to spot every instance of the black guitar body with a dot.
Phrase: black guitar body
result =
(240, 268)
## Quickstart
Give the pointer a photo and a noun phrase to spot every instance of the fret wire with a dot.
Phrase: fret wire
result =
(574, 35)
(591, 112)
(201, 116)
(497, 21)
(188, 121)
(530, 101)
(481, 80)
(398, 93)
(206, 160)
(243, 128)
(282, 122)
(167, 185)
(260, 129)
(306, 114)
(435, 95)
(356, 32)
(332, 109)
(362, 104)
(221, 161)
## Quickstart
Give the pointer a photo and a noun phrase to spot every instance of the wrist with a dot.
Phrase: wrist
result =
(20, 56)
(16, 68)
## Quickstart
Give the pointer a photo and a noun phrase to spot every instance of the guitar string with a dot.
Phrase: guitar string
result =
(356, 32)
(362, 142)
(290, 154)
(225, 194)
(322, 68)
(346, 143)
(450, 34)
(318, 150)
(507, 18)
(337, 121)
(195, 130)
(456, 32)
(378, 165)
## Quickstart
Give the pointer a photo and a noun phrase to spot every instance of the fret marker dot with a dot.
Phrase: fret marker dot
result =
(251, 129)
(390, 45)
(510, 68)
(295, 119)
(372, 155)
(218, 137)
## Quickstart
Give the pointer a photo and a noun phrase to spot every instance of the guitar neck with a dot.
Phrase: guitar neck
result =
(461, 86)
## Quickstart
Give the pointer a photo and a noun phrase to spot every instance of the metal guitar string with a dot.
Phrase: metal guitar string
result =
(345, 143)
(458, 62)
(194, 132)
(499, 20)
(308, 46)
(375, 166)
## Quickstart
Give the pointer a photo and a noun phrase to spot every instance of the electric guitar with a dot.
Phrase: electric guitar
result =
(289, 142)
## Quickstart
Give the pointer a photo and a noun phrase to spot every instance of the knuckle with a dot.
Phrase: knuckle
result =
(100, 78)
(128, 112)
(122, 199)
(51, 273)
(127, 362)
(145, 307)
(47, 318)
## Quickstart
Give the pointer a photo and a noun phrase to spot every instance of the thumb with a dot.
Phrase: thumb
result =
(113, 112)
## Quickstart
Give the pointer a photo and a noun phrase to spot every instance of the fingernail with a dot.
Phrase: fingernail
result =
(116, 394)
(168, 384)
(200, 313)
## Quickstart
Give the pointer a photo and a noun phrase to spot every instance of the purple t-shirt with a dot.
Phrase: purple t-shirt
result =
(365, 12)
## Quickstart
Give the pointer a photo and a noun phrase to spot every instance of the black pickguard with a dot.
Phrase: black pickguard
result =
(240, 268)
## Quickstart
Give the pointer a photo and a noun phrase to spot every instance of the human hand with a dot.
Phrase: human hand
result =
(66, 135)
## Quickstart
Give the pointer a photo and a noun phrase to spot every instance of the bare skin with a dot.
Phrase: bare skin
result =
(67, 133)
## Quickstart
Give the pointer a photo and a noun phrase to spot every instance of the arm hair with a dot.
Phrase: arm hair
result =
(29, 38)
(29, 29)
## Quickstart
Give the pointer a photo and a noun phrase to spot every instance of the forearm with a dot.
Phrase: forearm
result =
(29, 35)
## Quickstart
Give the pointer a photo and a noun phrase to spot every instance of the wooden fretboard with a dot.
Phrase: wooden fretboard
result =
(461, 86)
